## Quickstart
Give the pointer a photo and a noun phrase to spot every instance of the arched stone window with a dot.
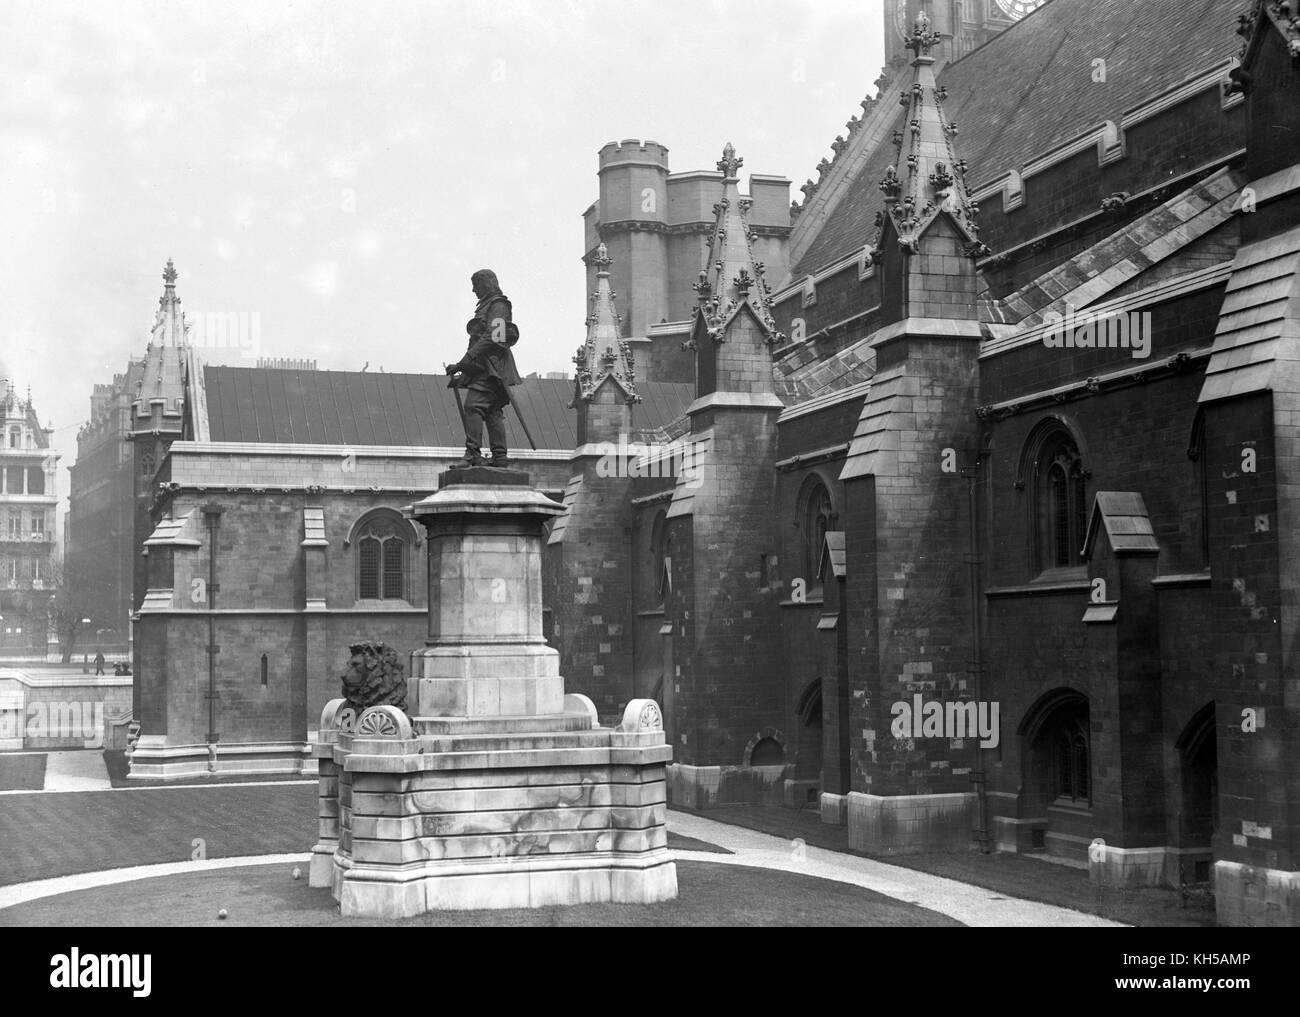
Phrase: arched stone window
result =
(1058, 760)
(382, 547)
(1059, 485)
(1072, 765)
(817, 516)
(661, 561)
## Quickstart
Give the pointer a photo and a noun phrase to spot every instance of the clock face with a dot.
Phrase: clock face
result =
(1017, 9)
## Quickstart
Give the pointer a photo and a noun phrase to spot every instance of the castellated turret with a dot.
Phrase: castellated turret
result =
(633, 211)
(657, 228)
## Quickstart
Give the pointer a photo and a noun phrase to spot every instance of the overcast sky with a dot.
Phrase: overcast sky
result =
(340, 168)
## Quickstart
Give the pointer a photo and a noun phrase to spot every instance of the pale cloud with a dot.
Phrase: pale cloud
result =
(322, 278)
(368, 244)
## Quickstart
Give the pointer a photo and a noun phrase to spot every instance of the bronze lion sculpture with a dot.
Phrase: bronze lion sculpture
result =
(374, 677)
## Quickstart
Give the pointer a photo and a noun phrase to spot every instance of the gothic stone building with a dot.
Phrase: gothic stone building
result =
(1013, 432)
(276, 538)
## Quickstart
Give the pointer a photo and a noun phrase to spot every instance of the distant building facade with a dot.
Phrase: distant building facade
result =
(132, 421)
(29, 528)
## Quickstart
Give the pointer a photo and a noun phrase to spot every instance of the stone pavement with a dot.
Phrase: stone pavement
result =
(78, 770)
(971, 905)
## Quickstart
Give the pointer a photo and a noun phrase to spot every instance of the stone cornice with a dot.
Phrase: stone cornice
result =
(825, 401)
(252, 448)
(1179, 363)
(736, 401)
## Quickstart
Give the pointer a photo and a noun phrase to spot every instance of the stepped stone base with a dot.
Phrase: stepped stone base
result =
(468, 813)
(1254, 895)
(156, 758)
(502, 792)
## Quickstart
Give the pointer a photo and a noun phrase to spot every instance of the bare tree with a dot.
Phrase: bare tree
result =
(69, 605)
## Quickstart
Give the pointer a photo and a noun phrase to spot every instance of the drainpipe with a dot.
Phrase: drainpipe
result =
(212, 516)
(979, 776)
(630, 619)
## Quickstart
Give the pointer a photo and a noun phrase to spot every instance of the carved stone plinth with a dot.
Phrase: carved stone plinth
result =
(498, 790)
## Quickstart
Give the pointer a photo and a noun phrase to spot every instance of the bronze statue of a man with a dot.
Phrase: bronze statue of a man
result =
(485, 370)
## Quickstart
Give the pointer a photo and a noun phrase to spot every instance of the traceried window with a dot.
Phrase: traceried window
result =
(661, 561)
(381, 559)
(818, 516)
(1072, 765)
(1060, 501)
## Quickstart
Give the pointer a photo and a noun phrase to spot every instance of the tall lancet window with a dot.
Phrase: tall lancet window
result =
(1059, 512)
(818, 516)
(1068, 508)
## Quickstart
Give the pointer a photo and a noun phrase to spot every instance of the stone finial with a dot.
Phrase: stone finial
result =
(730, 161)
(921, 39)
(169, 326)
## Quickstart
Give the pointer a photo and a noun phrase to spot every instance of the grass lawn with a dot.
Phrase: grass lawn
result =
(60, 834)
(709, 894)
(22, 773)
(50, 835)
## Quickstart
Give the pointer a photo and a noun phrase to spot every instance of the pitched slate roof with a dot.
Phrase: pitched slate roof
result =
(1257, 342)
(271, 405)
(1030, 89)
(1122, 517)
(1124, 254)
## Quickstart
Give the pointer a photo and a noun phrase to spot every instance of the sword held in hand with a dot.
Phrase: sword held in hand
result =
(510, 401)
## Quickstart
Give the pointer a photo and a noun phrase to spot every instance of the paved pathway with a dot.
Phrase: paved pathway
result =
(79, 770)
(971, 905)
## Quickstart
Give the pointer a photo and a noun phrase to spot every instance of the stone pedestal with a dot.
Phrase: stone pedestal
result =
(495, 789)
